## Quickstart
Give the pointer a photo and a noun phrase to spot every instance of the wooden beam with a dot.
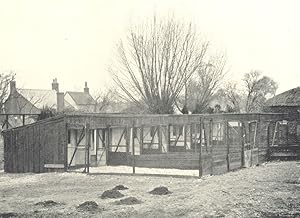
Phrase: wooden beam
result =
(87, 148)
(211, 146)
(200, 151)
(132, 147)
(226, 134)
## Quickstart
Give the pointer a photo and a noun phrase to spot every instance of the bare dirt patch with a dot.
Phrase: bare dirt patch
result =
(160, 191)
(48, 203)
(270, 190)
(120, 187)
(89, 206)
(111, 194)
(128, 201)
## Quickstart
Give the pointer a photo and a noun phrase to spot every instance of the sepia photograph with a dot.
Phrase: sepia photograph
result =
(149, 109)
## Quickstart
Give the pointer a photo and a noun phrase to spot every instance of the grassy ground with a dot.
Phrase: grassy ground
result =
(270, 190)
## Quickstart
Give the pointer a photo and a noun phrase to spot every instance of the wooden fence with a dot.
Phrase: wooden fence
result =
(36, 147)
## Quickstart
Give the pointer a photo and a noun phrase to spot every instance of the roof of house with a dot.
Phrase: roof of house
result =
(82, 98)
(40, 97)
(287, 98)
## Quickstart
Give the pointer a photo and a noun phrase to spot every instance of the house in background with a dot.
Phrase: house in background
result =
(81, 101)
(286, 102)
(32, 101)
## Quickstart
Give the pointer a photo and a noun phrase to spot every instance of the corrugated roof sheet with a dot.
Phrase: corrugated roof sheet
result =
(288, 98)
(82, 98)
(40, 98)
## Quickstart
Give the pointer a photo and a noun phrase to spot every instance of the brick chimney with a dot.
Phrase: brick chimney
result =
(60, 101)
(55, 85)
(13, 88)
(86, 88)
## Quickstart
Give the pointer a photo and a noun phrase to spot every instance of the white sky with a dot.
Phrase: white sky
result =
(75, 41)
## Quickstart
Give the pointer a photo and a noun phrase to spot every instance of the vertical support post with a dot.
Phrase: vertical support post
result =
(87, 147)
(141, 139)
(169, 137)
(23, 119)
(159, 135)
(6, 121)
(184, 136)
(258, 139)
(132, 147)
(66, 146)
(107, 144)
(243, 145)
(227, 144)
(211, 146)
(200, 150)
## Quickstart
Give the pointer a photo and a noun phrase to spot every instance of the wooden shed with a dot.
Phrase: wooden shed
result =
(214, 143)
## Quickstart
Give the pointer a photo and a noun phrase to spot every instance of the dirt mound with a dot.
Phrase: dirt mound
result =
(160, 191)
(120, 187)
(48, 203)
(90, 206)
(111, 194)
(8, 215)
(128, 201)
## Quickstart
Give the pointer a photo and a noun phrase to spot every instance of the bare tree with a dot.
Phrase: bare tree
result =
(258, 88)
(203, 85)
(233, 96)
(5, 79)
(156, 61)
(105, 100)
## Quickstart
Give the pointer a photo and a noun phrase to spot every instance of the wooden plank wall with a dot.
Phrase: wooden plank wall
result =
(29, 148)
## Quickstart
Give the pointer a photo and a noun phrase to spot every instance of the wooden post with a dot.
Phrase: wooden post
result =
(169, 137)
(211, 146)
(132, 147)
(66, 146)
(258, 139)
(200, 150)
(87, 147)
(23, 118)
(107, 144)
(159, 135)
(141, 139)
(6, 121)
(227, 144)
(184, 136)
(243, 148)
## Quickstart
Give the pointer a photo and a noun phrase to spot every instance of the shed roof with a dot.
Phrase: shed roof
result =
(287, 98)
(82, 98)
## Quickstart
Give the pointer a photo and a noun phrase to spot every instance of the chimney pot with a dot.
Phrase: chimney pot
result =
(86, 88)
(55, 85)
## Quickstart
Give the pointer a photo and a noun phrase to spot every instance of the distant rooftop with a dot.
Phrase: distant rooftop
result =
(82, 98)
(288, 98)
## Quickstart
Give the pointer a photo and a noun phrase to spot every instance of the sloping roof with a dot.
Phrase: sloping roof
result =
(82, 98)
(40, 97)
(288, 98)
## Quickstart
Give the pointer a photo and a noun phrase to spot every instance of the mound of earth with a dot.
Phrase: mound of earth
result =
(8, 215)
(160, 191)
(111, 194)
(120, 187)
(90, 206)
(48, 203)
(128, 201)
